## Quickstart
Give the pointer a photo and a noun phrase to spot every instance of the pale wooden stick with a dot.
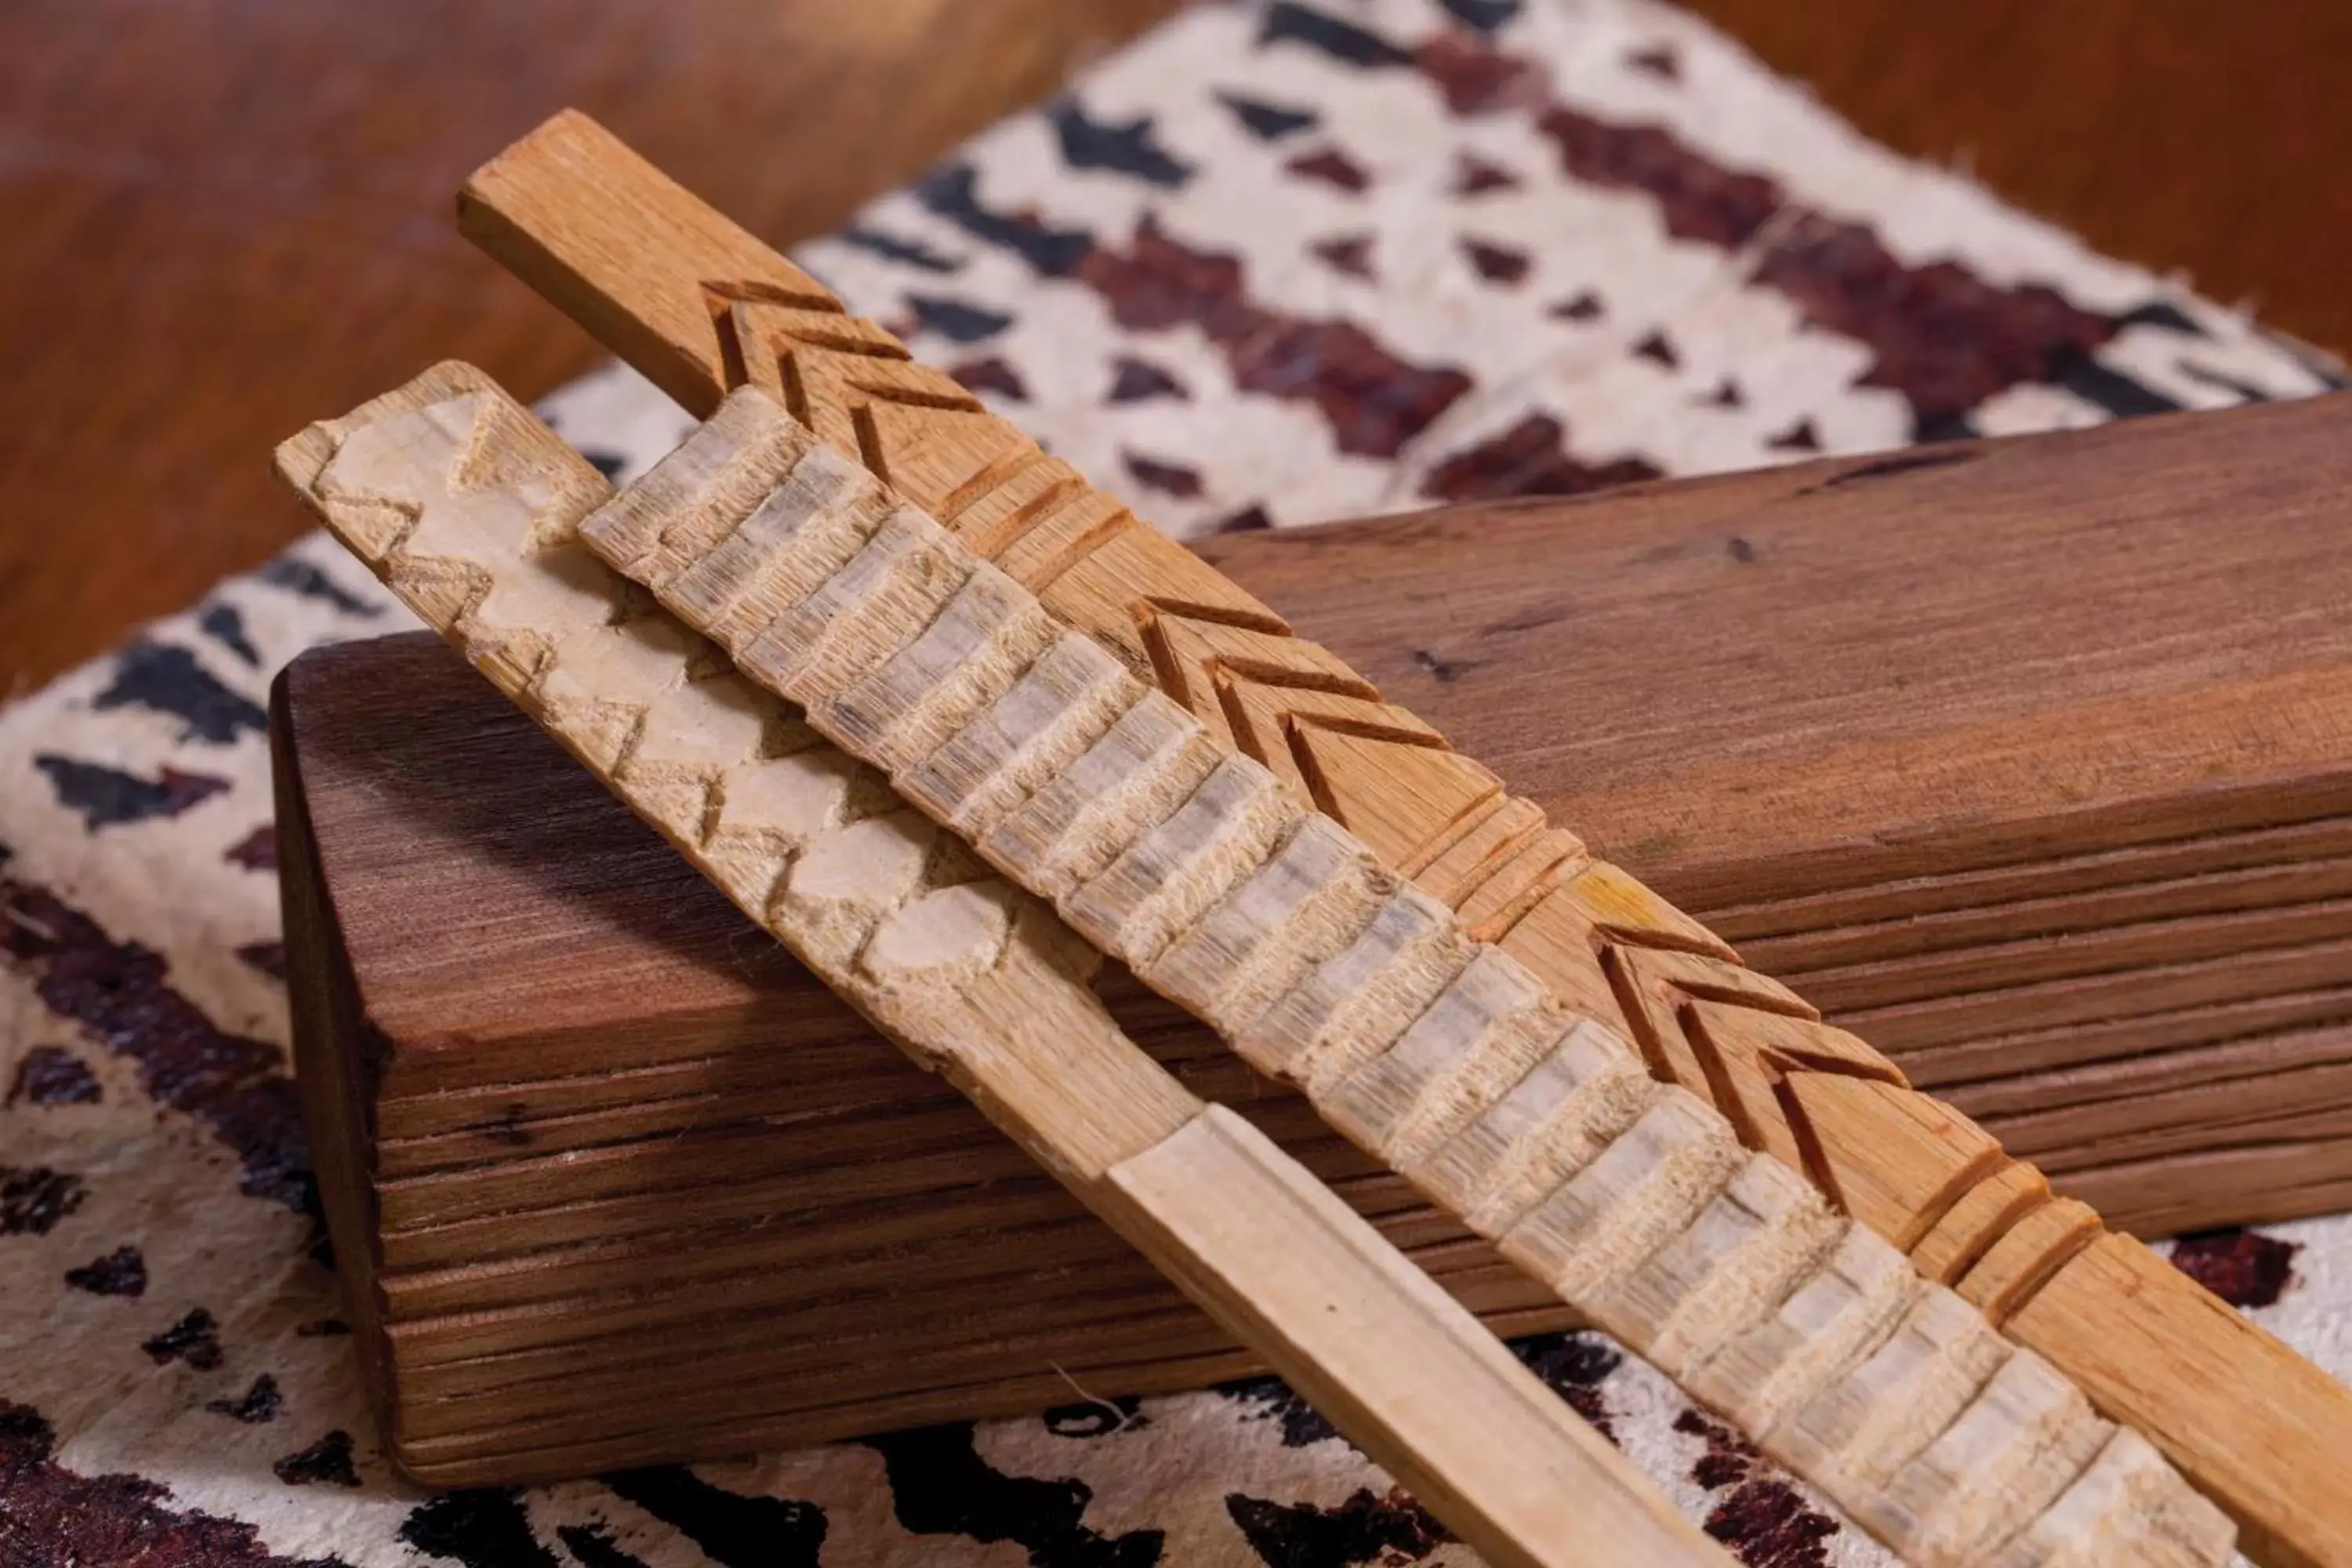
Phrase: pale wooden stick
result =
(701, 306)
(469, 509)
(1160, 842)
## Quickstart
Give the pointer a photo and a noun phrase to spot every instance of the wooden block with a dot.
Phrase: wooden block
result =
(430, 874)
(431, 832)
(537, 882)
(1349, 757)
(968, 977)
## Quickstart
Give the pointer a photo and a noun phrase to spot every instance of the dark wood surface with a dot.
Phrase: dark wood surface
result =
(2086, 876)
(225, 218)
(222, 218)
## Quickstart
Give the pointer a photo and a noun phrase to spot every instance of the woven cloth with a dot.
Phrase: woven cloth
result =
(1272, 264)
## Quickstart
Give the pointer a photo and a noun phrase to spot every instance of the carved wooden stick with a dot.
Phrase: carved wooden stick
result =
(469, 509)
(700, 306)
(1161, 843)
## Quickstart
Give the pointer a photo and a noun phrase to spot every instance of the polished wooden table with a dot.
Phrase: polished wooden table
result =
(224, 218)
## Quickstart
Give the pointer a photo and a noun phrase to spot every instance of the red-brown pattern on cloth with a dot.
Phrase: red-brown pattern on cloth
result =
(1375, 402)
(52, 1518)
(2244, 1268)
(118, 992)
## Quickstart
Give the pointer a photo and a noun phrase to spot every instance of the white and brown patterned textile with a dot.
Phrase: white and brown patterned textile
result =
(1279, 262)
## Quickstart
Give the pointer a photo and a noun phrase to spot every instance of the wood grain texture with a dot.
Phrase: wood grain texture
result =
(1166, 846)
(1598, 941)
(471, 510)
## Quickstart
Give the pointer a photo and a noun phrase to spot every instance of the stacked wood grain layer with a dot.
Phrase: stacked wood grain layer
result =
(2030, 762)
(643, 1189)
(553, 1239)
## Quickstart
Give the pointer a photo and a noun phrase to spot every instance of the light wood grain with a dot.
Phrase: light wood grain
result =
(1272, 1255)
(1191, 863)
(469, 511)
(1591, 934)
